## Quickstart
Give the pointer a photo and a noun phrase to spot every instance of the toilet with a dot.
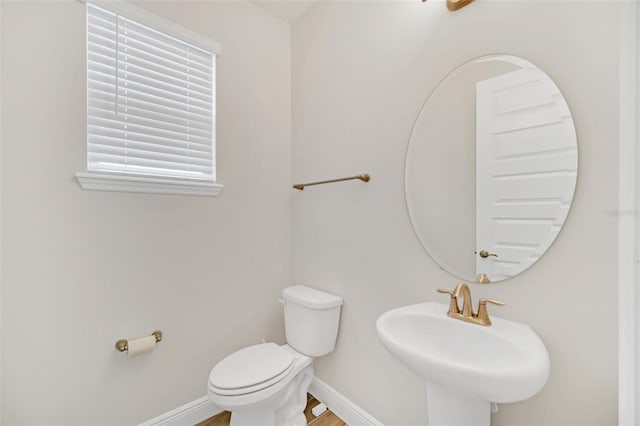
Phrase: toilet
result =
(266, 384)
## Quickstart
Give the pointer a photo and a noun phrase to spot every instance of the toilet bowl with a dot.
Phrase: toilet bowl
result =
(278, 400)
(267, 384)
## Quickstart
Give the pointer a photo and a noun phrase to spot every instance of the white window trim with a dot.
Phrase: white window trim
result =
(98, 181)
(93, 181)
(629, 225)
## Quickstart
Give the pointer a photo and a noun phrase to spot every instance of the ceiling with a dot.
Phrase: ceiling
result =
(287, 10)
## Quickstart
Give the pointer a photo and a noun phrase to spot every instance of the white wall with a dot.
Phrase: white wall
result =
(82, 269)
(361, 71)
(0, 215)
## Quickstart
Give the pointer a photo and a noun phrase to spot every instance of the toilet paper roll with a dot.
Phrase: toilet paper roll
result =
(141, 345)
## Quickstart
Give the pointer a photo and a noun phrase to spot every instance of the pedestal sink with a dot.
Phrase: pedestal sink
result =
(466, 366)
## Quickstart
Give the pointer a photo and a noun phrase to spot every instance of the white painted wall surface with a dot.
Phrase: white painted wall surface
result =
(82, 269)
(0, 214)
(361, 71)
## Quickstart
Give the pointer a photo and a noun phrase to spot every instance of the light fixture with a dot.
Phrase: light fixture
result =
(455, 4)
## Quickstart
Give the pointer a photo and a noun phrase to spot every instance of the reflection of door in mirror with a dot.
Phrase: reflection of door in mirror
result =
(526, 167)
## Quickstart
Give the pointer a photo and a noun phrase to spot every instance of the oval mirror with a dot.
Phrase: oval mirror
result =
(491, 168)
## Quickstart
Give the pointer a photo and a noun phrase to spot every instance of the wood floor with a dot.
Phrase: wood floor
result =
(325, 419)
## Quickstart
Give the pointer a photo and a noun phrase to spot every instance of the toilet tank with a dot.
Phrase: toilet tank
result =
(311, 319)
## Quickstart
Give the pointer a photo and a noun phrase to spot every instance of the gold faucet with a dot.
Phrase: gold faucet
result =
(467, 314)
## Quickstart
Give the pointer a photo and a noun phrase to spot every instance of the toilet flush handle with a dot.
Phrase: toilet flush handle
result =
(284, 302)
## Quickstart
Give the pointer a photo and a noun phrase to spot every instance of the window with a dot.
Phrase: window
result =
(150, 105)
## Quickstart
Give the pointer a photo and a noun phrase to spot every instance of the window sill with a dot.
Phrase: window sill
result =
(122, 183)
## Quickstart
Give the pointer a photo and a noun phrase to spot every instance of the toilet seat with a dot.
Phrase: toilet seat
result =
(251, 369)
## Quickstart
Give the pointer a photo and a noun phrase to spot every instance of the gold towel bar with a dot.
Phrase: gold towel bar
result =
(123, 345)
(363, 177)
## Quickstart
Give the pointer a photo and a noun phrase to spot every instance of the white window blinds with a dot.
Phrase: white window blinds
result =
(150, 101)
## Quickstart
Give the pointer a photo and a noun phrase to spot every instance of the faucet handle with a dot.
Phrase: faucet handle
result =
(494, 301)
(483, 315)
(453, 303)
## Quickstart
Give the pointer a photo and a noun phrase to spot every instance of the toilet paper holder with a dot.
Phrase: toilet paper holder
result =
(123, 344)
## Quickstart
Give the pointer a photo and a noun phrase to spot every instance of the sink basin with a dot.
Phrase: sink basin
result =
(504, 362)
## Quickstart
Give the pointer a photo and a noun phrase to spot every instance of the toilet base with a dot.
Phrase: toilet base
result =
(285, 408)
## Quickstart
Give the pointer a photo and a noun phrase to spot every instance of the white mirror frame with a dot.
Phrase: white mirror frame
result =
(629, 229)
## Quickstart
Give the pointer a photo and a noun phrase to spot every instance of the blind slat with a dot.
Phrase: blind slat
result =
(161, 85)
(173, 133)
(135, 152)
(128, 160)
(161, 78)
(147, 134)
(185, 112)
(153, 115)
(169, 44)
(105, 141)
(125, 114)
(164, 95)
(133, 46)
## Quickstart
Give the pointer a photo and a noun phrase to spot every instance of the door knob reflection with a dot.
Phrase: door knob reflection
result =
(484, 254)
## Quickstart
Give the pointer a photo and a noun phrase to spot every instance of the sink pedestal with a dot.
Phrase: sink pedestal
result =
(446, 407)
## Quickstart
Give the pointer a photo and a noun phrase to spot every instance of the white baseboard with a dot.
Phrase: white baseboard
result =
(342, 407)
(187, 415)
(201, 409)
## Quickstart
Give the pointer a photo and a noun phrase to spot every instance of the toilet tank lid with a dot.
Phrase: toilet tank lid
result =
(311, 298)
